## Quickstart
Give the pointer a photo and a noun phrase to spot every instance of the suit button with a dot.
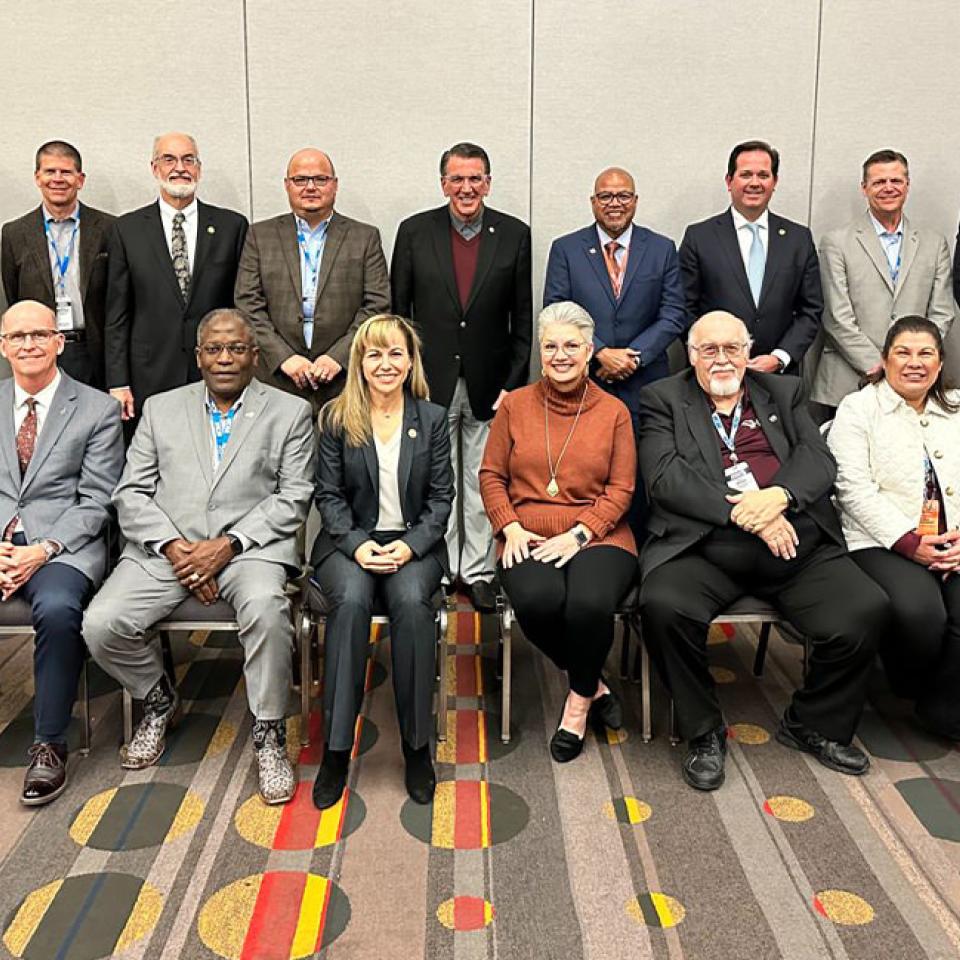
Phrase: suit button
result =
(924, 422)
(19, 503)
(463, 323)
(456, 356)
(409, 524)
(938, 454)
(949, 491)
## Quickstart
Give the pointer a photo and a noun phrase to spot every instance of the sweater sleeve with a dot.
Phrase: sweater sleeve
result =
(495, 470)
(609, 508)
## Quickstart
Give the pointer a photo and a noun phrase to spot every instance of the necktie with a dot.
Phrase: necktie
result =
(613, 268)
(181, 263)
(26, 442)
(756, 262)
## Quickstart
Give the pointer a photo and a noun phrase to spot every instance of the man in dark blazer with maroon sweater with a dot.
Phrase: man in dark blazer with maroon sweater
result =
(461, 273)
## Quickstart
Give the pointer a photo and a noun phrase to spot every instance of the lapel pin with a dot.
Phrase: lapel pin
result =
(773, 418)
(490, 229)
(211, 229)
(592, 251)
(782, 232)
(411, 433)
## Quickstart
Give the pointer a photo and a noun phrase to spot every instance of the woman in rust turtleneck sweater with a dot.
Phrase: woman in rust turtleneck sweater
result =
(557, 479)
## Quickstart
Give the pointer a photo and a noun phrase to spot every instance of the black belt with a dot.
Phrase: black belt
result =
(75, 336)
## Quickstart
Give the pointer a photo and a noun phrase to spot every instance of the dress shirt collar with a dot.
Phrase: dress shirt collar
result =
(211, 404)
(309, 232)
(467, 230)
(882, 231)
(623, 239)
(44, 397)
(168, 212)
(889, 401)
(74, 214)
(739, 220)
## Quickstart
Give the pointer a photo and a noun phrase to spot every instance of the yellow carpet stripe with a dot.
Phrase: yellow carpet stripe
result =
(143, 917)
(31, 913)
(484, 814)
(482, 736)
(447, 749)
(487, 912)
(311, 912)
(329, 824)
(478, 670)
(443, 815)
(90, 815)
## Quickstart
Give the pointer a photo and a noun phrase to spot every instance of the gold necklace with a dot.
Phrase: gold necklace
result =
(553, 488)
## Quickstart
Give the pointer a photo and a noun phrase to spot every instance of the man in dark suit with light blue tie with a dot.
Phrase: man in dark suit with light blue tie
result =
(628, 279)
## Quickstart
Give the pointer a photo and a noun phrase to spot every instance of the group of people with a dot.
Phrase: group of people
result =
(228, 348)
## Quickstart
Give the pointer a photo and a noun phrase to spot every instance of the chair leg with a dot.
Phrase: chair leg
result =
(84, 698)
(506, 639)
(166, 648)
(674, 735)
(645, 697)
(625, 649)
(442, 666)
(304, 641)
(762, 644)
(806, 657)
(127, 716)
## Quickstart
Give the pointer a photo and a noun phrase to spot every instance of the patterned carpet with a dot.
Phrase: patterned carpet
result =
(608, 857)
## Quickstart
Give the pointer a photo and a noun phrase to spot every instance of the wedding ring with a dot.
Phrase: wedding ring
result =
(194, 577)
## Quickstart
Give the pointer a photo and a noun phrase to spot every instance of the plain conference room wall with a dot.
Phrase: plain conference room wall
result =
(555, 89)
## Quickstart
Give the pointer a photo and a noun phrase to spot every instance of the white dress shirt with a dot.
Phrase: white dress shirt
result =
(623, 240)
(20, 410)
(191, 215)
(388, 460)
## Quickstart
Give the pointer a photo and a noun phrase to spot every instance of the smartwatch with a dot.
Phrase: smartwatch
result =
(581, 538)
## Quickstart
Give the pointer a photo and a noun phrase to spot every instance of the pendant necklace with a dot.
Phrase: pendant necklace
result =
(553, 488)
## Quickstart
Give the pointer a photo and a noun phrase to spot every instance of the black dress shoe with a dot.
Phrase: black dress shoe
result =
(46, 777)
(420, 779)
(564, 745)
(842, 757)
(703, 765)
(606, 711)
(482, 596)
(331, 778)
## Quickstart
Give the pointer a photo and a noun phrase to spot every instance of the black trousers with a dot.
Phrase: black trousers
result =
(568, 612)
(822, 593)
(406, 597)
(57, 595)
(920, 643)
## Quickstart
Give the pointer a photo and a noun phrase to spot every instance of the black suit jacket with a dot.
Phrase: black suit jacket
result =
(25, 259)
(683, 470)
(488, 343)
(348, 489)
(151, 332)
(789, 314)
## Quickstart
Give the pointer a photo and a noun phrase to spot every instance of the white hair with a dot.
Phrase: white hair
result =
(565, 312)
(173, 133)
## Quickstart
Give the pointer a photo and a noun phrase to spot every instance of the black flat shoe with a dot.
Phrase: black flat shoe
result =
(703, 765)
(606, 711)
(331, 778)
(564, 745)
(420, 778)
(482, 596)
(842, 757)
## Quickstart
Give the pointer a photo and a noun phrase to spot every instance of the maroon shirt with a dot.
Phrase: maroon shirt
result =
(465, 253)
(751, 444)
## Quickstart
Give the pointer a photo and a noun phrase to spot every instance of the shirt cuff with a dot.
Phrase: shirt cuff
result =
(782, 356)
(157, 546)
(245, 541)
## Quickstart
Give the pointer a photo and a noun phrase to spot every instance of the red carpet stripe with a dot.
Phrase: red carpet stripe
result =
(275, 917)
(467, 829)
(297, 829)
(468, 737)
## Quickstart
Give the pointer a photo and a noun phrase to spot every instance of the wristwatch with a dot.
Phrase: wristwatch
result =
(236, 544)
(581, 538)
(49, 548)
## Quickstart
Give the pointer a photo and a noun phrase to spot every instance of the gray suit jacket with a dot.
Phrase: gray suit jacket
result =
(65, 495)
(261, 490)
(861, 301)
(352, 285)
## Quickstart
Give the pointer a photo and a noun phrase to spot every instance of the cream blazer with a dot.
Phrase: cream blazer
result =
(878, 440)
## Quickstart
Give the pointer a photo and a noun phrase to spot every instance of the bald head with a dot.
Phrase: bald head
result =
(31, 344)
(614, 201)
(311, 155)
(29, 311)
(718, 347)
(311, 184)
(718, 326)
(618, 174)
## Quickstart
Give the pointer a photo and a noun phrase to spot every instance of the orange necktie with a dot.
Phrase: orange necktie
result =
(614, 269)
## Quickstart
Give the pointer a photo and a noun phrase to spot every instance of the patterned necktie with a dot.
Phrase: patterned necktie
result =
(756, 262)
(181, 264)
(26, 442)
(614, 269)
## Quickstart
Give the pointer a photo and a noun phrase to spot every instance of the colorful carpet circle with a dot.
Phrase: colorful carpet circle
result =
(656, 910)
(196, 736)
(83, 917)
(723, 675)
(788, 809)
(627, 810)
(464, 914)
(719, 633)
(466, 815)
(843, 907)
(136, 816)
(748, 733)
(614, 738)
(299, 825)
(935, 804)
(281, 915)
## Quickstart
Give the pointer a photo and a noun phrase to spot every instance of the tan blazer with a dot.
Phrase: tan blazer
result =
(352, 286)
(861, 301)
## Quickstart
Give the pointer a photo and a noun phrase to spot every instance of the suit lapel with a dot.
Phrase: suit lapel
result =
(636, 253)
(488, 240)
(62, 408)
(158, 243)
(776, 253)
(441, 244)
(337, 231)
(727, 239)
(868, 239)
(908, 252)
(369, 451)
(36, 240)
(290, 247)
(243, 423)
(770, 422)
(8, 432)
(697, 409)
(594, 257)
(196, 417)
(90, 236)
(408, 440)
(205, 233)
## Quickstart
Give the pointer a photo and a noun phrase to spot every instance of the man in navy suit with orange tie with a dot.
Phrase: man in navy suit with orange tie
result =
(628, 279)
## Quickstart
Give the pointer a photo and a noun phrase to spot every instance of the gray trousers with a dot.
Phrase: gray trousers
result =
(406, 595)
(117, 623)
(472, 555)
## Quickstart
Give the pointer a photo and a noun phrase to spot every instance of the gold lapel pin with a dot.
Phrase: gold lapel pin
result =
(411, 433)
(211, 229)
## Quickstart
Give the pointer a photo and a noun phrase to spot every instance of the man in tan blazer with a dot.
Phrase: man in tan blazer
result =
(307, 280)
(875, 270)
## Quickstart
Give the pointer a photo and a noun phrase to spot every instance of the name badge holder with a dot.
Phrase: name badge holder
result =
(738, 475)
(65, 315)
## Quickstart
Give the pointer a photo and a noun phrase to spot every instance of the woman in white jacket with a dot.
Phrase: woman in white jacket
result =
(897, 447)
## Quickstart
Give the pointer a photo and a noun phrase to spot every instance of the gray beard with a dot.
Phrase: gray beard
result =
(723, 388)
(179, 190)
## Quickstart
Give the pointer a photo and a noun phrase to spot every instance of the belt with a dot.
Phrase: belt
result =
(75, 336)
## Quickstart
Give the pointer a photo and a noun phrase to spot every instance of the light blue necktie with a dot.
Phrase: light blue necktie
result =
(756, 262)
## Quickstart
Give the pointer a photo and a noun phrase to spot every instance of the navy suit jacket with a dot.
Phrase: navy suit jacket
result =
(649, 313)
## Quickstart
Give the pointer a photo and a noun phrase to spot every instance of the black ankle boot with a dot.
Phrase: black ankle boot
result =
(420, 779)
(331, 778)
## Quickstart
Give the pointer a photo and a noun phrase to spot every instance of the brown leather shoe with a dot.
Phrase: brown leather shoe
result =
(46, 777)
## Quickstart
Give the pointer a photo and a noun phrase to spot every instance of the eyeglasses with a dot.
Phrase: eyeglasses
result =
(189, 160)
(474, 179)
(732, 351)
(607, 199)
(569, 349)
(301, 182)
(40, 337)
(234, 349)
(897, 182)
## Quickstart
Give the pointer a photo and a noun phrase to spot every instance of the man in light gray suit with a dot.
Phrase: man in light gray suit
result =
(62, 456)
(217, 484)
(876, 270)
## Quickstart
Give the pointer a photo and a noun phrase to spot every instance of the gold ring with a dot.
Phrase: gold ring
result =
(194, 577)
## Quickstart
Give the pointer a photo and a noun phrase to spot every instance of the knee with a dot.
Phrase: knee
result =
(58, 609)
(102, 624)
(662, 602)
(264, 608)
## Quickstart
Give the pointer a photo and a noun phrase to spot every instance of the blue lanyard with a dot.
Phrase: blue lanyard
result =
(311, 258)
(63, 263)
(729, 440)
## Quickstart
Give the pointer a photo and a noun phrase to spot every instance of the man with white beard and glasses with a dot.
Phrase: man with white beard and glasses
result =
(739, 483)
(171, 263)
